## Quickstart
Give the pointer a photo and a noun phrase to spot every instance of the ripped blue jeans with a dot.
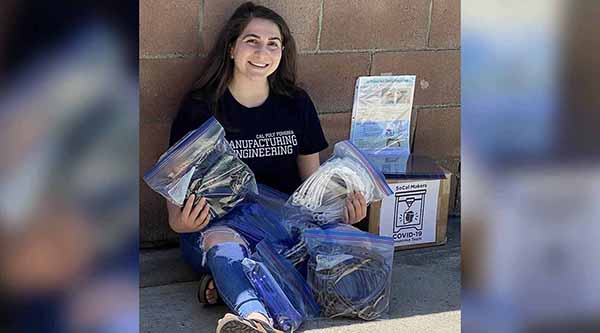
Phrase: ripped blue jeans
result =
(219, 250)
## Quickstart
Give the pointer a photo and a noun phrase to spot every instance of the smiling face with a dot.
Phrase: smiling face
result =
(257, 52)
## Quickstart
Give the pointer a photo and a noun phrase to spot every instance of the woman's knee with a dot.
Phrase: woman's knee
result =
(218, 235)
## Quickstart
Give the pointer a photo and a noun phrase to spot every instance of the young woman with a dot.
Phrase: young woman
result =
(249, 85)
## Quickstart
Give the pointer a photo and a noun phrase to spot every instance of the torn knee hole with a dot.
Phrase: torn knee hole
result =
(215, 237)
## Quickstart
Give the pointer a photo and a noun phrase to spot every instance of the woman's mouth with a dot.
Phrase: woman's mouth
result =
(258, 64)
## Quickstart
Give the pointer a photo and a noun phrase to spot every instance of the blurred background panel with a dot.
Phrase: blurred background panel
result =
(68, 172)
(531, 166)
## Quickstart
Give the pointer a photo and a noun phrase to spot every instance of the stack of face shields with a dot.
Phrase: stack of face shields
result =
(321, 198)
(350, 272)
(204, 164)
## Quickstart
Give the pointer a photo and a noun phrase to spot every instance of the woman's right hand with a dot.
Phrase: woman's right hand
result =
(189, 218)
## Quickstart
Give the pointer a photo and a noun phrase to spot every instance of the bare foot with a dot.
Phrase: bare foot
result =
(212, 296)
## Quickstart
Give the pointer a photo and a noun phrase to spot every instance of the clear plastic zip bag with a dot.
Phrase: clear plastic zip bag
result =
(350, 272)
(321, 198)
(270, 198)
(289, 278)
(298, 253)
(204, 164)
(285, 316)
(256, 222)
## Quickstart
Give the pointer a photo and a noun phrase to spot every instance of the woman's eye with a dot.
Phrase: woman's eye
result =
(273, 44)
(251, 41)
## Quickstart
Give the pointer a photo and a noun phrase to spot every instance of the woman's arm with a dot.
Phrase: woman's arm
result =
(307, 165)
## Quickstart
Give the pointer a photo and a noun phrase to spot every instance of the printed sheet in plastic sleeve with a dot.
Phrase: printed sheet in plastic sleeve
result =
(381, 114)
(381, 120)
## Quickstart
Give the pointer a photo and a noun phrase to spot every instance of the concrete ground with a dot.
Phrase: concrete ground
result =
(425, 294)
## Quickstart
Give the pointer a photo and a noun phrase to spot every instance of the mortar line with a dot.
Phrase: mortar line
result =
(437, 106)
(429, 20)
(334, 112)
(320, 27)
(378, 50)
(416, 107)
(200, 24)
(175, 55)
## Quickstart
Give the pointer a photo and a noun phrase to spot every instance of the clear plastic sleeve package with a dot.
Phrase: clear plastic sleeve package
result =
(350, 272)
(322, 197)
(204, 164)
(285, 316)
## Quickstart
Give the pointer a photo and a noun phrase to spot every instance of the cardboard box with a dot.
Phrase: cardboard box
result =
(415, 215)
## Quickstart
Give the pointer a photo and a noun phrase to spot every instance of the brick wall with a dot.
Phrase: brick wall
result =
(338, 41)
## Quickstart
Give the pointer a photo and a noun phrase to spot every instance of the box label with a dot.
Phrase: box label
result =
(409, 215)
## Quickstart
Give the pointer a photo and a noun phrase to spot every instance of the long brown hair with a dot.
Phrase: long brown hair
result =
(218, 70)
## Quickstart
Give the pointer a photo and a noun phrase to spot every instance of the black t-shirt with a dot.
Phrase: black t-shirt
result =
(268, 137)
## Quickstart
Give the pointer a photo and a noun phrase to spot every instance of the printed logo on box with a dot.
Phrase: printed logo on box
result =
(409, 215)
(408, 211)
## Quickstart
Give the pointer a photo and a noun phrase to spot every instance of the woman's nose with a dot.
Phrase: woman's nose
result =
(261, 47)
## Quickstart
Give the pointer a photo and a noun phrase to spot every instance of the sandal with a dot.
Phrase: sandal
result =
(203, 287)
(231, 323)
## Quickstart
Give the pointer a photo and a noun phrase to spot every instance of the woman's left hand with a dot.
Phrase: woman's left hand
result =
(356, 208)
